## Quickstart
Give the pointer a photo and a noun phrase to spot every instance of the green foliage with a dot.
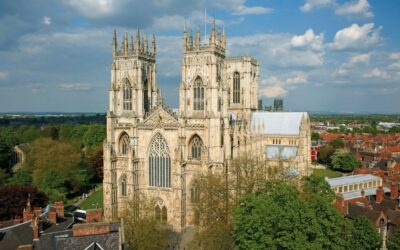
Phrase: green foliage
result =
(315, 187)
(95, 200)
(324, 156)
(344, 161)
(96, 165)
(21, 177)
(364, 235)
(337, 143)
(94, 135)
(315, 136)
(326, 173)
(5, 153)
(53, 184)
(393, 242)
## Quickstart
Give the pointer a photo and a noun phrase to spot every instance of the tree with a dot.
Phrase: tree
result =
(364, 235)
(315, 136)
(94, 135)
(324, 156)
(393, 242)
(96, 166)
(53, 184)
(21, 177)
(276, 218)
(212, 203)
(13, 199)
(337, 143)
(142, 229)
(344, 161)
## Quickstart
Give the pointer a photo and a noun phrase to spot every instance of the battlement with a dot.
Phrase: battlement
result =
(217, 41)
(131, 48)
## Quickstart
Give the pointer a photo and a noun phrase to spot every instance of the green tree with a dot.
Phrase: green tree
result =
(96, 166)
(53, 184)
(337, 143)
(393, 242)
(324, 156)
(276, 218)
(315, 136)
(21, 177)
(364, 235)
(344, 161)
(94, 135)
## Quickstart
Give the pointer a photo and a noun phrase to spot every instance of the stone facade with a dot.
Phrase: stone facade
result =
(153, 151)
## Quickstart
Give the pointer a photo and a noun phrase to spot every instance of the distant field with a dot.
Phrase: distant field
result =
(326, 173)
(91, 201)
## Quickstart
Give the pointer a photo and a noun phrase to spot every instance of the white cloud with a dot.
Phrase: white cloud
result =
(360, 8)
(315, 4)
(361, 58)
(46, 20)
(255, 10)
(376, 73)
(308, 39)
(76, 86)
(356, 37)
(3, 75)
(95, 9)
(272, 91)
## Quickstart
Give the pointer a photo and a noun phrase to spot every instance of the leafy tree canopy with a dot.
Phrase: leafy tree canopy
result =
(344, 161)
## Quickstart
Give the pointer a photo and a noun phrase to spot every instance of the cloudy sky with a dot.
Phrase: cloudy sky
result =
(318, 55)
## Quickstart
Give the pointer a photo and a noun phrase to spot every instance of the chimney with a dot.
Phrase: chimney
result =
(37, 211)
(59, 205)
(52, 217)
(340, 204)
(93, 215)
(394, 190)
(35, 226)
(90, 229)
(27, 215)
(379, 194)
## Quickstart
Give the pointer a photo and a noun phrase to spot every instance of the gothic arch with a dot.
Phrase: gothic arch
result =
(195, 147)
(123, 144)
(146, 99)
(123, 185)
(159, 162)
(236, 87)
(198, 93)
(126, 94)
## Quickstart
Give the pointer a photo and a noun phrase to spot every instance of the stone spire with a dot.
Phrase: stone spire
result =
(131, 47)
(223, 38)
(126, 43)
(137, 40)
(114, 43)
(160, 99)
(146, 44)
(219, 40)
(191, 40)
(184, 37)
(142, 45)
(153, 45)
(212, 34)
(198, 37)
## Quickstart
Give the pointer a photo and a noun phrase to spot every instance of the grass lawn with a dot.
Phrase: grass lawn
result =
(91, 201)
(326, 173)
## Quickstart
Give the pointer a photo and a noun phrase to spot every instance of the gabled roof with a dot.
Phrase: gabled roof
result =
(345, 180)
(277, 123)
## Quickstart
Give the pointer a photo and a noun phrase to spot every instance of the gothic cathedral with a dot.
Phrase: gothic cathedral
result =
(151, 150)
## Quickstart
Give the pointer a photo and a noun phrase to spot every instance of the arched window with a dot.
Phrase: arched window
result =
(159, 163)
(158, 212)
(164, 214)
(236, 87)
(123, 186)
(124, 144)
(146, 102)
(195, 146)
(127, 96)
(198, 94)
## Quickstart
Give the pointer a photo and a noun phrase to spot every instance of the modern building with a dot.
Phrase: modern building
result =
(154, 151)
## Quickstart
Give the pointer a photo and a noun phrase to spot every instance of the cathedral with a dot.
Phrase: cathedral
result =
(154, 151)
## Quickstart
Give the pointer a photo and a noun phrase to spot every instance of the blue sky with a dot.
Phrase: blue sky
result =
(318, 55)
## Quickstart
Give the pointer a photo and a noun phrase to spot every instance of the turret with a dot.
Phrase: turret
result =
(153, 45)
(114, 44)
(212, 35)
(223, 38)
(131, 47)
(185, 38)
(137, 40)
(191, 40)
(146, 44)
(126, 44)
(198, 37)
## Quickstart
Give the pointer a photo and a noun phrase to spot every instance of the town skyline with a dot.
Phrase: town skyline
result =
(326, 56)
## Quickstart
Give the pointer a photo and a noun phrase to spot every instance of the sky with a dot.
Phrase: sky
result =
(318, 55)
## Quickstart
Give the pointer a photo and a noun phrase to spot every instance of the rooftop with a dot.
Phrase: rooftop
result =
(344, 180)
(279, 123)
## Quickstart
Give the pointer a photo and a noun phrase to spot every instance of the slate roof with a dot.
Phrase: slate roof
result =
(13, 237)
(355, 211)
(278, 123)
